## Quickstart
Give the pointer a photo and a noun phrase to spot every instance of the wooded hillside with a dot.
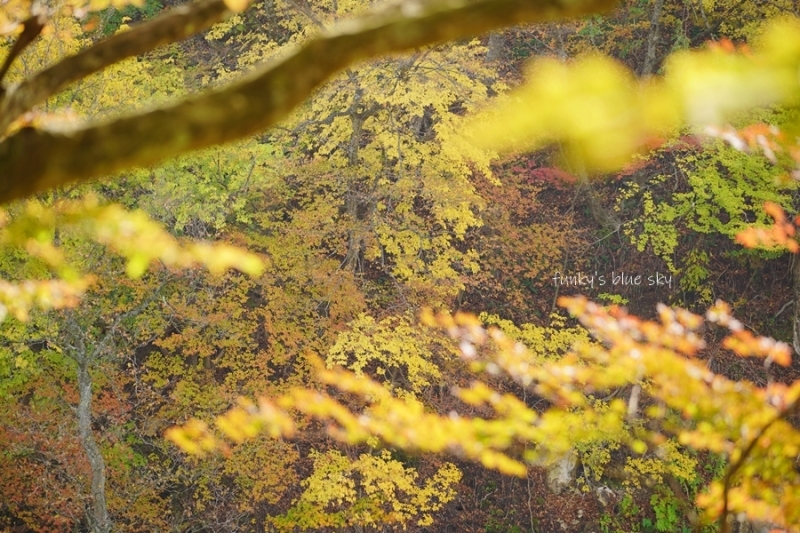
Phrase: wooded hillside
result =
(428, 265)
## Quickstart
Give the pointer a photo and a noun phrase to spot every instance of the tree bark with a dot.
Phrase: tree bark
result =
(649, 66)
(796, 291)
(86, 350)
(33, 160)
(603, 217)
(495, 47)
(173, 26)
(100, 518)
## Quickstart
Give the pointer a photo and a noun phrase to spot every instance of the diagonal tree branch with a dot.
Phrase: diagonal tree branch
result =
(173, 26)
(32, 27)
(33, 160)
(733, 469)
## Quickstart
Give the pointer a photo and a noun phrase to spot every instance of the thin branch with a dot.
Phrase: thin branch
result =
(735, 467)
(173, 26)
(787, 304)
(101, 346)
(32, 27)
(32, 160)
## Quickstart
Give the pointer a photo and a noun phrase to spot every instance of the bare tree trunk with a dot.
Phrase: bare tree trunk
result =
(652, 39)
(562, 45)
(495, 47)
(86, 350)
(603, 217)
(102, 522)
(355, 235)
(83, 353)
(796, 294)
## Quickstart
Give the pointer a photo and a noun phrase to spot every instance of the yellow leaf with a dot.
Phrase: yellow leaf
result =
(237, 6)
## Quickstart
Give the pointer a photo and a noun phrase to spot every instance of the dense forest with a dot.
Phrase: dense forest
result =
(335, 265)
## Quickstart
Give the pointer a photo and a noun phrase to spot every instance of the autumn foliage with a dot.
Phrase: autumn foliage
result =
(351, 320)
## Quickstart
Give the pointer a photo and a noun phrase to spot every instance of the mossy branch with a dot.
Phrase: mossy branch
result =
(32, 160)
(173, 26)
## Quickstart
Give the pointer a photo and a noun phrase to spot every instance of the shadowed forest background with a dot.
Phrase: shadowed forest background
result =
(388, 236)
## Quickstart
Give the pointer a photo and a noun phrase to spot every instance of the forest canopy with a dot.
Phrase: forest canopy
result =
(378, 266)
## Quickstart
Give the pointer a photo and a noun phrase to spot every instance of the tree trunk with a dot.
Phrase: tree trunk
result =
(796, 294)
(495, 47)
(86, 351)
(562, 45)
(652, 39)
(604, 218)
(100, 518)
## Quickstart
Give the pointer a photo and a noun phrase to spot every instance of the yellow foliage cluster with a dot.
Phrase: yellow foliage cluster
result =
(668, 459)
(594, 106)
(544, 342)
(738, 419)
(373, 489)
(403, 355)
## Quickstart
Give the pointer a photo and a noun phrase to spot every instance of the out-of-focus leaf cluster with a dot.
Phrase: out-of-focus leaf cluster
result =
(657, 358)
(602, 114)
(45, 233)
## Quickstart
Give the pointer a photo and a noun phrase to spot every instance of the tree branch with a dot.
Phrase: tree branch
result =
(32, 27)
(34, 160)
(175, 25)
(733, 469)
